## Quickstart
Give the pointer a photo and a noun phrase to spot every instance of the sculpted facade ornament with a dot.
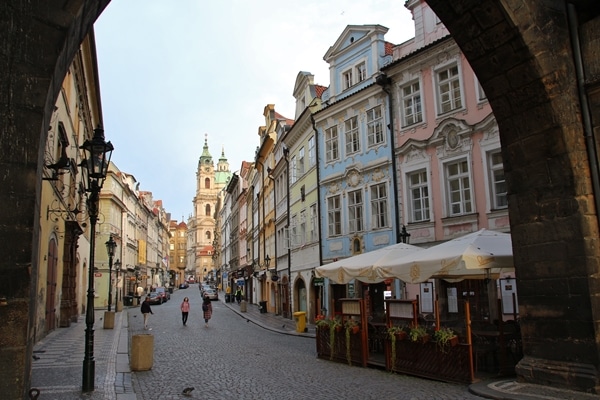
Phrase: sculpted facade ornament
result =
(354, 178)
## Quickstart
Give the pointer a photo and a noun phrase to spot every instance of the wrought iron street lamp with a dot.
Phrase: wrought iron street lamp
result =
(94, 167)
(404, 236)
(111, 246)
(117, 269)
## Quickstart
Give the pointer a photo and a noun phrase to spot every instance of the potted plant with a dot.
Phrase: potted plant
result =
(395, 333)
(352, 326)
(418, 333)
(334, 325)
(445, 337)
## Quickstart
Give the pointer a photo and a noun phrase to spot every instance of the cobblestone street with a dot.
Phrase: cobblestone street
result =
(235, 359)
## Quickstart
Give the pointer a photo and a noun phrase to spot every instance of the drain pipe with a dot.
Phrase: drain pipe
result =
(385, 82)
(583, 101)
(324, 294)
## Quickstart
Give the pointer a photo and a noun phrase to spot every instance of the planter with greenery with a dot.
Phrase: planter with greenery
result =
(395, 333)
(418, 333)
(445, 337)
(352, 326)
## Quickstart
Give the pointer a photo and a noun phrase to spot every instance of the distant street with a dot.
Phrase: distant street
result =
(234, 360)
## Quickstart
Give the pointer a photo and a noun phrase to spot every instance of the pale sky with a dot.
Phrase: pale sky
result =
(173, 71)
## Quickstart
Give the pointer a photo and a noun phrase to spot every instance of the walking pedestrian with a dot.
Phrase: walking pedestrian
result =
(185, 310)
(238, 295)
(146, 311)
(207, 310)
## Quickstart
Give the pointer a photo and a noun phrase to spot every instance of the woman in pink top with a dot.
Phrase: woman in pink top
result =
(185, 310)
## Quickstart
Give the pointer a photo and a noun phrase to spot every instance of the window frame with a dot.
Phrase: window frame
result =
(332, 144)
(375, 126)
(494, 167)
(466, 205)
(334, 216)
(352, 135)
(379, 206)
(454, 93)
(416, 99)
(422, 185)
(355, 211)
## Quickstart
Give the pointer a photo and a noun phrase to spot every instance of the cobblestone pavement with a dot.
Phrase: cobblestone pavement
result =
(236, 359)
(57, 366)
(241, 355)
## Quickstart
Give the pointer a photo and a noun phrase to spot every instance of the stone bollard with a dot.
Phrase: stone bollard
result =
(243, 306)
(109, 319)
(142, 352)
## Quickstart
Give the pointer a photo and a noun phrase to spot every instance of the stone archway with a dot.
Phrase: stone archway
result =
(39, 40)
(522, 55)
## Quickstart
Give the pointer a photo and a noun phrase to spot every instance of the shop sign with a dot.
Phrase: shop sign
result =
(318, 281)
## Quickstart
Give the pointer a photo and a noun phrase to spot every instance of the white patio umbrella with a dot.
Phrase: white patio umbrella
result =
(482, 254)
(360, 267)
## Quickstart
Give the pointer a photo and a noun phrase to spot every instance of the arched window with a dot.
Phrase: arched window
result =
(207, 183)
(208, 235)
(207, 210)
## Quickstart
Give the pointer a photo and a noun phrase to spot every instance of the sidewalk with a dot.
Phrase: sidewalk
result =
(270, 321)
(57, 366)
(58, 362)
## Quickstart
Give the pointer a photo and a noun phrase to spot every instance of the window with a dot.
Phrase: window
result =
(481, 96)
(302, 227)
(294, 223)
(207, 210)
(208, 235)
(334, 216)
(301, 162)
(375, 127)
(361, 72)
(448, 90)
(293, 169)
(313, 222)
(498, 183)
(311, 152)
(171, 246)
(411, 104)
(352, 138)
(379, 212)
(459, 188)
(355, 210)
(332, 151)
(419, 196)
(347, 77)
(207, 183)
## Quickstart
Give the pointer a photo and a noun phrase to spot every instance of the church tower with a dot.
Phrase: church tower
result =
(209, 184)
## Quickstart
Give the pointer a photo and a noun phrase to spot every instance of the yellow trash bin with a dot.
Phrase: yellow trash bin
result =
(300, 318)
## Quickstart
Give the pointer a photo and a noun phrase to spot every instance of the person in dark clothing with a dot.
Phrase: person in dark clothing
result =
(207, 310)
(146, 311)
(238, 295)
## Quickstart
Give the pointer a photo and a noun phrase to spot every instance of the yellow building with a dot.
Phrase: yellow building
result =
(64, 230)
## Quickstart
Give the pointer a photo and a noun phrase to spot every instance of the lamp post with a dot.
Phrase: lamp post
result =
(404, 236)
(111, 246)
(94, 167)
(117, 269)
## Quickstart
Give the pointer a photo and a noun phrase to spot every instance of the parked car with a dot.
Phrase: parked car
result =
(155, 298)
(184, 285)
(164, 293)
(211, 294)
